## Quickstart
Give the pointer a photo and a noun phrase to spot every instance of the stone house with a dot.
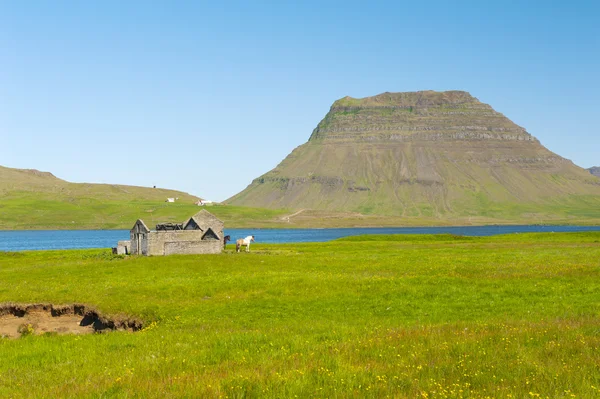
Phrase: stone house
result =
(200, 234)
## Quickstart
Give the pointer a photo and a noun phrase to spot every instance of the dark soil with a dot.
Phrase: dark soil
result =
(41, 318)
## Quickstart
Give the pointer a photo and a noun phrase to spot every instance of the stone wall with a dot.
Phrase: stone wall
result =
(124, 247)
(135, 246)
(193, 247)
(181, 242)
(139, 243)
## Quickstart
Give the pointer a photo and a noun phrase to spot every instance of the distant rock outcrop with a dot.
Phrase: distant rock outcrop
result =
(595, 170)
(427, 153)
(39, 173)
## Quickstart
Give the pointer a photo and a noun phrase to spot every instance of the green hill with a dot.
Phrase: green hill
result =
(430, 157)
(31, 199)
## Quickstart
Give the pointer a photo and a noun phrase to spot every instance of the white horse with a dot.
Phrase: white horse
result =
(244, 242)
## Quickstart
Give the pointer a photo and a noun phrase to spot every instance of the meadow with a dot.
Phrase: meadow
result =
(515, 316)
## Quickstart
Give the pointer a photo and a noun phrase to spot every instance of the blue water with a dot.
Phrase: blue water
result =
(72, 239)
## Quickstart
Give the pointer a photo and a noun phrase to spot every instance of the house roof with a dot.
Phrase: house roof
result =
(210, 234)
(204, 218)
(140, 227)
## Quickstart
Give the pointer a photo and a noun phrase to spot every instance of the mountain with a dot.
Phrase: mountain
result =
(429, 155)
(33, 199)
(595, 170)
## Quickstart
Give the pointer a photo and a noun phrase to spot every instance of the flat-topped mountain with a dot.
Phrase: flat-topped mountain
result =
(595, 170)
(439, 155)
(429, 115)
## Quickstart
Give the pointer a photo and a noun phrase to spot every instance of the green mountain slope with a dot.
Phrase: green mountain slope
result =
(30, 199)
(429, 155)
(34, 199)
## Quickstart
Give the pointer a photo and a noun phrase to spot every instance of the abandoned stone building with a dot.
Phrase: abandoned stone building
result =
(200, 234)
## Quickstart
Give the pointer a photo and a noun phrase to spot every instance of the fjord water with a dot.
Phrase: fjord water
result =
(74, 239)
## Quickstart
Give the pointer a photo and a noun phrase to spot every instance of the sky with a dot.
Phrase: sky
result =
(203, 97)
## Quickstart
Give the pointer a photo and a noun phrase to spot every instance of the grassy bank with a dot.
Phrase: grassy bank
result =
(399, 316)
(29, 213)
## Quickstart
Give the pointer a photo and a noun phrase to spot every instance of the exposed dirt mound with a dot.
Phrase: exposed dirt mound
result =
(41, 318)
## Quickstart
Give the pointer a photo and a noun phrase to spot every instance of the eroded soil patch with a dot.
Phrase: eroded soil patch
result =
(18, 319)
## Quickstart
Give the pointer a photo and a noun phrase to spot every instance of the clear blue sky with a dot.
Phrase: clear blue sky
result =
(204, 97)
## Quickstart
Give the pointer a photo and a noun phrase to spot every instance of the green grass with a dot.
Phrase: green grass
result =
(376, 316)
(38, 200)
(30, 212)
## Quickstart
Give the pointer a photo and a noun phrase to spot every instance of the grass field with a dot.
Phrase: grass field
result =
(30, 212)
(514, 316)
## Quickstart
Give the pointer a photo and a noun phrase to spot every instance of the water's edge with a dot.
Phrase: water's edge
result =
(20, 240)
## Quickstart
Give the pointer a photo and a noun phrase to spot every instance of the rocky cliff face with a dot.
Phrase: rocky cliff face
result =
(428, 115)
(423, 153)
(595, 170)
